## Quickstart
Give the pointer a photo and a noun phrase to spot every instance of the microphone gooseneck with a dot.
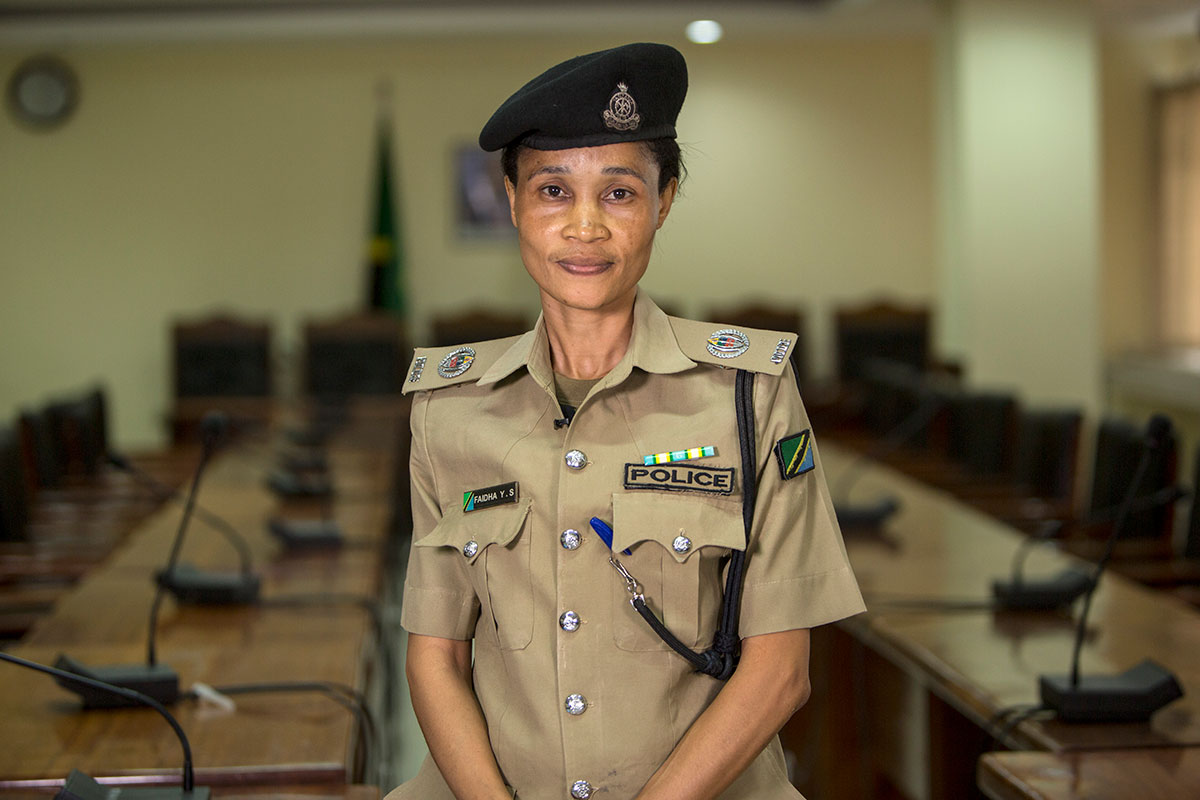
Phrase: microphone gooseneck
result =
(189, 780)
(209, 518)
(1157, 432)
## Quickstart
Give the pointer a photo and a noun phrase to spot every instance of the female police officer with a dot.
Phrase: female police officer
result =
(601, 458)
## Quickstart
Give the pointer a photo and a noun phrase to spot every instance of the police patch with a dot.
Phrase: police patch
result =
(680, 478)
(795, 454)
(491, 496)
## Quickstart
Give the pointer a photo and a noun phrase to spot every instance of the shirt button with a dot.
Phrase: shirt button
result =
(576, 704)
(470, 548)
(581, 790)
(576, 459)
(569, 621)
(570, 539)
(682, 544)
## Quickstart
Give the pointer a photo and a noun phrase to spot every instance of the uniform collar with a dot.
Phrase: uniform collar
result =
(652, 348)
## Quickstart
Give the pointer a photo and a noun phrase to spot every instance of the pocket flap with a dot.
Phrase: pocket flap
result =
(682, 525)
(498, 525)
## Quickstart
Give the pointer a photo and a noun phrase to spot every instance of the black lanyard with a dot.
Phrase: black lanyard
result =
(720, 660)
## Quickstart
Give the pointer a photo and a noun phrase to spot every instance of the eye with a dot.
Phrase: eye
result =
(620, 194)
(552, 190)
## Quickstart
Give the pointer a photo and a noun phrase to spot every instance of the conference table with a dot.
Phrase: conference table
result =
(317, 623)
(909, 695)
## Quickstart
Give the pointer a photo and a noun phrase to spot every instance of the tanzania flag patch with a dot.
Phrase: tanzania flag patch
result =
(491, 496)
(795, 454)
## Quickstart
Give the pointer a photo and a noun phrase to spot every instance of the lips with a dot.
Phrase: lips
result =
(582, 264)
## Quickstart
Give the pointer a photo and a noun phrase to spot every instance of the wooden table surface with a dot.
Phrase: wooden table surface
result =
(278, 739)
(1145, 774)
(936, 550)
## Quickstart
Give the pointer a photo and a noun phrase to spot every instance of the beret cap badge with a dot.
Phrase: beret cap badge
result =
(621, 114)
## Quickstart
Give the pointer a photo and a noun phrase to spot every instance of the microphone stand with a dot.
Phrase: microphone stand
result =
(189, 584)
(156, 680)
(874, 514)
(1141, 690)
(80, 786)
(1067, 585)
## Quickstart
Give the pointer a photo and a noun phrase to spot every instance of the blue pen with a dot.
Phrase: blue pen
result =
(606, 533)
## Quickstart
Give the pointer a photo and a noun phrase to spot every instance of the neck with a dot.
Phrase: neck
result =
(587, 343)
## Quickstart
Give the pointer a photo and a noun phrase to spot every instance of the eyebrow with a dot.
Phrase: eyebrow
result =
(555, 169)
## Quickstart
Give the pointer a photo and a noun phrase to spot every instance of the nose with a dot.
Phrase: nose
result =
(586, 223)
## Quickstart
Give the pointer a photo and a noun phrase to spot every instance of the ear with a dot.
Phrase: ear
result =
(665, 198)
(511, 191)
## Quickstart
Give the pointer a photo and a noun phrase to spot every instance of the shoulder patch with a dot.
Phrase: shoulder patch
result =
(795, 455)
(435, 367)
(751, 349)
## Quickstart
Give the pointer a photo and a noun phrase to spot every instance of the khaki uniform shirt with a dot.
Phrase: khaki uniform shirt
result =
(596, 707)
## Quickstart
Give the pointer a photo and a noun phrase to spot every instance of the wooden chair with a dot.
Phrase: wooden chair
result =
(14, 500)
(220, 362)
(880, 330)
(1119, 447)
(1148, 534)
(761, 314)
(222, 356)
(1179, 574)
(977, 443)
(1045, 466)
(1191, 545)
(357, 354)
(476, 325)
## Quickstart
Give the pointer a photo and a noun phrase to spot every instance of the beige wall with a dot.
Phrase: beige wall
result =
(238, 176)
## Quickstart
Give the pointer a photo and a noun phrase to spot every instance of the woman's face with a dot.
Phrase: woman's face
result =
(586, 220)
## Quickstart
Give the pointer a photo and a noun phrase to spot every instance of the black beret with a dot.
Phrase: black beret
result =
(626, 94)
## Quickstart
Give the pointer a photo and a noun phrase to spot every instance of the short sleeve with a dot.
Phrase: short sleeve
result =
(797, 572)
(439, 599)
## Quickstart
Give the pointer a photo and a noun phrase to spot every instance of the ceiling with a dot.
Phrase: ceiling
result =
(59, 21)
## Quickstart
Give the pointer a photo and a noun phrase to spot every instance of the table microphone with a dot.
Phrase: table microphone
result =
(80, 786)
(188, 583)
(1141, 690)
(872, 515)
(156, 680)
(1067, 585)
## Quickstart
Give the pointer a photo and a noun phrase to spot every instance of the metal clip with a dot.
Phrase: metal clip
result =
(631, 583)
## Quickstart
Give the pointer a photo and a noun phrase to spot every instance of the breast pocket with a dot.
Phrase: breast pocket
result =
(494, 544)
(679, 544)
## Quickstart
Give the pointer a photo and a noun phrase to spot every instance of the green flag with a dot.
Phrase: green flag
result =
(386, 254)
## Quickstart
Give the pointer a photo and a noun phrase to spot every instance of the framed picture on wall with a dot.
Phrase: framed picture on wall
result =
(480, 204)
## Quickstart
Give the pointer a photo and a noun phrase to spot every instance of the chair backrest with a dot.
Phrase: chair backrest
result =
(359, 354)
(222, 357)
(1119, 448)
(476, 325)
(1047, 455)
(44, 462)
(760, 314)
(78, 431)
(1191, 547)
(14, 500)
(891, 393)
(880, 330)
(988, 424)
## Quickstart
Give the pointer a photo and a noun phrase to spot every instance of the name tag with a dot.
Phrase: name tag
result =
(491, 496)
(680, 478)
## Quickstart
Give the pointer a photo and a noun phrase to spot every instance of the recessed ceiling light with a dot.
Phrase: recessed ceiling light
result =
(704, 31)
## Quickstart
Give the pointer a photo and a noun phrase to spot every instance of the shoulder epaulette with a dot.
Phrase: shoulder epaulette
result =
(751, 349)
(435, 367)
